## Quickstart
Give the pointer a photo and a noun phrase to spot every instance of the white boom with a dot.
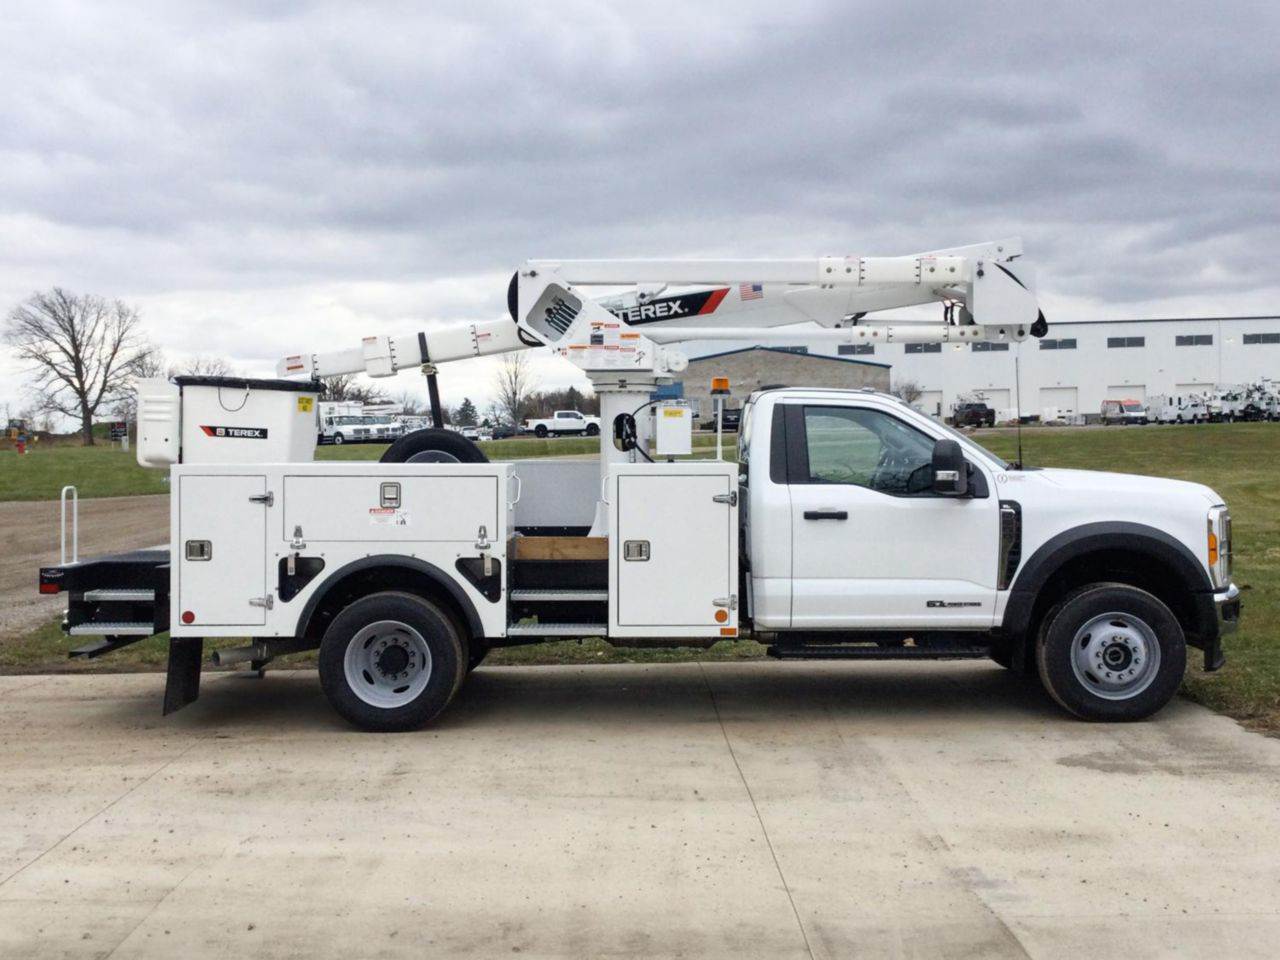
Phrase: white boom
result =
(987, 289)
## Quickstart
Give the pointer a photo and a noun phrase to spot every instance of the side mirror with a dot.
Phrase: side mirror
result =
(950, 470)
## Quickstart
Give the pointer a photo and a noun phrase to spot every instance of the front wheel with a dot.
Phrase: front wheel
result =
(1111, 652)
(338, 439)
(391, 661)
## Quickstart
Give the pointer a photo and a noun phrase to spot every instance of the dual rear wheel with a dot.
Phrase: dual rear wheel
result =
(392, 661)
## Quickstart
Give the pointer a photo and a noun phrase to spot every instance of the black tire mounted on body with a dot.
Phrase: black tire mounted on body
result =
(433, 446)
(413, 616)
(1141, 621)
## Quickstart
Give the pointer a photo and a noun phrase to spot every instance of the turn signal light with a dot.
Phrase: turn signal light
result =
(1213, 548)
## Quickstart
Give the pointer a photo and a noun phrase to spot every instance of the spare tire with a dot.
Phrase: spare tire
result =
(433, 446)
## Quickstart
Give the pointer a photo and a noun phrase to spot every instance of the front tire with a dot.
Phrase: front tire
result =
(391, 661)
(1111, 652)
(338, 439)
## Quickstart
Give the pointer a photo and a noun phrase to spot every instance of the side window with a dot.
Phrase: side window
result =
(867, 448)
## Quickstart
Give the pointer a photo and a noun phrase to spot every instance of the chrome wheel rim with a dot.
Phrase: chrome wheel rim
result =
(1115, 656)
(387, 664)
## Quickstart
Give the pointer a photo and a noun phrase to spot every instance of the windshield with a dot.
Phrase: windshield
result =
(1133, 407)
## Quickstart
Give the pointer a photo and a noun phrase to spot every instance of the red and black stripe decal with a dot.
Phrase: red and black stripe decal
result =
(673, 307)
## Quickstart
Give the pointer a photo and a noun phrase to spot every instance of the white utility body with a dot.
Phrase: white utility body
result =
(851, 527)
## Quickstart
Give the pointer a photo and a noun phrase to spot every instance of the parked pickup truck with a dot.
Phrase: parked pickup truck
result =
(854, 527)
(973, 415)
(563, 421)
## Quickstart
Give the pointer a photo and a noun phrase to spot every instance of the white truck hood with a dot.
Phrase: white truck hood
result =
(1127, 485)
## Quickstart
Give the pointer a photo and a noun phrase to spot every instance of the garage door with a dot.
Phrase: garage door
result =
(1063, 401)
(998, 400)
(1128, 391)
(930, 402)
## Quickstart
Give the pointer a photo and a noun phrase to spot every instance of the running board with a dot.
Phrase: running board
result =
(868, 652)
(517, 630)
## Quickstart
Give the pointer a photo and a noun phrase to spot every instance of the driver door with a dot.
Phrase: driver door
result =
(872, 545)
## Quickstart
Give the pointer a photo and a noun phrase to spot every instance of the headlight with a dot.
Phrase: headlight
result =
(1219, 547)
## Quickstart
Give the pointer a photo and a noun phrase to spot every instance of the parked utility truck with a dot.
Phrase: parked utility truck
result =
(852, 527)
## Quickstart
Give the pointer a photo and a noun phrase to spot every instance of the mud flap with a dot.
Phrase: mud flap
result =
(182, 684)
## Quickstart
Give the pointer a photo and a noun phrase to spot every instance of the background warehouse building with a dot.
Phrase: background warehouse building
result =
(1074, 368)
(751, 368)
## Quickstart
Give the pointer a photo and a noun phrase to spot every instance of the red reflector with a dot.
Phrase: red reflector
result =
(50, 588)
(188, 616)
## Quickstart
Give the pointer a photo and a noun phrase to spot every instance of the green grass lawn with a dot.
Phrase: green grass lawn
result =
(108, 471)
(1234, 459)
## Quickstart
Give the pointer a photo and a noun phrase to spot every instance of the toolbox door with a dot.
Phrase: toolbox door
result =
(674, 554)
(222, 550)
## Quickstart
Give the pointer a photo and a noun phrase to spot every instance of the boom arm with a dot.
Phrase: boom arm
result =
(987, 291)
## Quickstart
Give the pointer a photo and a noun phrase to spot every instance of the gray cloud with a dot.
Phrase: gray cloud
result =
(260, 177)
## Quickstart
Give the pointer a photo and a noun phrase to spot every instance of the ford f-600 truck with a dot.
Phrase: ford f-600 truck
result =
(851, 527)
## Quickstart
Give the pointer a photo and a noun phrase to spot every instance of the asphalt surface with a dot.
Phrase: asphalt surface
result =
(29, 539)
(723, 810)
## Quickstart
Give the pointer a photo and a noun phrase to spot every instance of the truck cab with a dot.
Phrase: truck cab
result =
(868, 523)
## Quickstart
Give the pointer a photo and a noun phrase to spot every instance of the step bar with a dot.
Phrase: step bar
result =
(120, 595)
(544, 595)
(517, 630)
(105, 628)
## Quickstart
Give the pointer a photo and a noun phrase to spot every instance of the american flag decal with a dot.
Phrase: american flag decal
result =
(750, 291)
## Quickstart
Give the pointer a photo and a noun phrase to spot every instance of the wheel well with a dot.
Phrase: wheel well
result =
(1135, 568)
(368, 580)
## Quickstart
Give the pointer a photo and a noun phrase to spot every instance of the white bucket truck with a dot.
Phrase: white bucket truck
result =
(853, 527)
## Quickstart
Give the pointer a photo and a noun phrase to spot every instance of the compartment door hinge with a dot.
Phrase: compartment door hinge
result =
(731, 498)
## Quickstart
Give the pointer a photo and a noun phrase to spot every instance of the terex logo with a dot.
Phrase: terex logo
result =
(239, 433)
(667, 308)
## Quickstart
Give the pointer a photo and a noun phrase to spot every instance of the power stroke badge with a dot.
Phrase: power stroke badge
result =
(238, 433)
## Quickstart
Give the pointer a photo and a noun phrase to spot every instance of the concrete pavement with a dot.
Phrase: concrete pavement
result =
(735, 810)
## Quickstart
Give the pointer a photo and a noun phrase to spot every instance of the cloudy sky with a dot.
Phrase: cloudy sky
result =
(260, 178)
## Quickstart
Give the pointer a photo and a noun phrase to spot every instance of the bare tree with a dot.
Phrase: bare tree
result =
(513, 384)
(410, 403)
(346, 387)
(148, 365)
(82, 350)
(203, 367)
(908, 391)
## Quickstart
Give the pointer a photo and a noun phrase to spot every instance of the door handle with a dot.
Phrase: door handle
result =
(826, 514)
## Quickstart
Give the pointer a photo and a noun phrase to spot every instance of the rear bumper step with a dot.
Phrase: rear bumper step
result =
(107, 628)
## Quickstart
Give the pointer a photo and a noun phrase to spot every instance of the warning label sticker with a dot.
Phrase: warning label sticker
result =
(388, 517)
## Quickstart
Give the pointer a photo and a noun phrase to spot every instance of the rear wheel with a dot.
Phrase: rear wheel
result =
(540, 431)
(1111, 652)
(391, 661)
(593, 430)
